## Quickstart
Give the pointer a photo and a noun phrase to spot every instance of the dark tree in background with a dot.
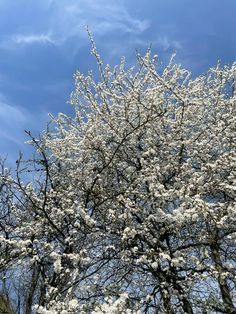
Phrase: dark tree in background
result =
(129, 205)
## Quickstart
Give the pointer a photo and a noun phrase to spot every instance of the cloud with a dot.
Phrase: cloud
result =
(12, 122)
(69, 19)
(60, 22)
(165, 43)
(9, 112)
(15, 119)
(33, 38)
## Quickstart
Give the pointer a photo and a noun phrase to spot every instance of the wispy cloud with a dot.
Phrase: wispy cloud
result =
(64, 20)
(33, 38)
(166, 43)
(14, 120)
(70, 18)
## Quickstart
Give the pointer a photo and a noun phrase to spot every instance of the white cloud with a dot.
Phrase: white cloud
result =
(15, 119)
(32, 38)
(12, 121)
(166, 43)
(102, 17)
(65, 20)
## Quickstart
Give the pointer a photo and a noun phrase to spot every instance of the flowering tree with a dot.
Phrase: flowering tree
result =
(130, 206)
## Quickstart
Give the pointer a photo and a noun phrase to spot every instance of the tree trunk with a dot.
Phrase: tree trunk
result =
(34, 280)
(5, 307)
(225, 292)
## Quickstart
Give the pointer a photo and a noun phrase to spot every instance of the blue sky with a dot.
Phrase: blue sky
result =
(43, 42)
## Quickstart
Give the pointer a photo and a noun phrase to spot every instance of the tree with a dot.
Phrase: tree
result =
(130, 204)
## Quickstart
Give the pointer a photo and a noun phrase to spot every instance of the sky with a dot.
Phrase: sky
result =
(43, 43)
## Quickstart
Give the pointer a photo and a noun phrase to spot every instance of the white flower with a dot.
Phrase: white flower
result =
(57, 265)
